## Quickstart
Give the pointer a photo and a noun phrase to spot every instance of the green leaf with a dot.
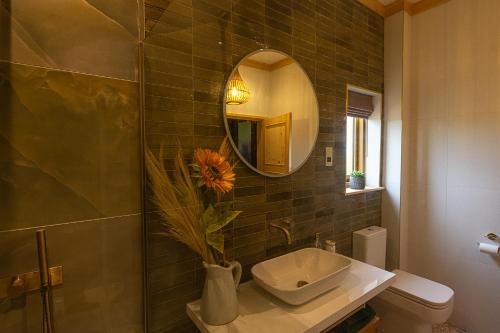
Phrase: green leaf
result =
(222, 220)
(209, 217)
(216, 240)
(214, 219)
(357, 173)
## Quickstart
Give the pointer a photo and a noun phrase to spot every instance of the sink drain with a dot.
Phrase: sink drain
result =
(301, 283)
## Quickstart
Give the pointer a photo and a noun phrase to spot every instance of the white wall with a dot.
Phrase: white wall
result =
(391, 177)
(293, 92)
(454, 157)
(374, 144)
(405, 142)
(259, 84)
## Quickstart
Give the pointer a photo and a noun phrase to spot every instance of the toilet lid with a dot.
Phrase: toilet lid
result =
(421, 290)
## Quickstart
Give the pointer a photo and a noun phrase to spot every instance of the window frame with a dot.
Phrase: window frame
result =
(367, 140)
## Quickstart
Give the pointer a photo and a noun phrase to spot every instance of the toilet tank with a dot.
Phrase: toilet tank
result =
(369, 245)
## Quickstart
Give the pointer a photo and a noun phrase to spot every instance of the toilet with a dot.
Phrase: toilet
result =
(412, 304)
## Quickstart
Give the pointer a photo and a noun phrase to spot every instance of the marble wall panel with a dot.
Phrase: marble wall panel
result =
(69, 147)
(69, 160)
(102, 274)
(95, 36)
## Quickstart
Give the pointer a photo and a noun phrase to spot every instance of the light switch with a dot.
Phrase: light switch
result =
(329, 156)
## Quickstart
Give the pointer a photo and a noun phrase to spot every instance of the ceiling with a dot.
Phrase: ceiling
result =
(268, 58)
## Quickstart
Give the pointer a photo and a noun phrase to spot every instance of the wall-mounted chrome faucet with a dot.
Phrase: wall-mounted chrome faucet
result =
(285, 227)
(12, 287)
(317, 243)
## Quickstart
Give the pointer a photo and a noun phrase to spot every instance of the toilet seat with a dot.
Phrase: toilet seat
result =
(426, 299)
(420, 290)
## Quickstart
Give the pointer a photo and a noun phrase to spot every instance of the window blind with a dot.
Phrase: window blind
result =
(359, 105)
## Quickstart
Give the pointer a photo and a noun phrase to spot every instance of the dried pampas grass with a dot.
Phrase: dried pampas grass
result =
(179, 202)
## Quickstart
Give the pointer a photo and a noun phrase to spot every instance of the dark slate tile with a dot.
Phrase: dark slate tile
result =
(248, 191)
(336, 43)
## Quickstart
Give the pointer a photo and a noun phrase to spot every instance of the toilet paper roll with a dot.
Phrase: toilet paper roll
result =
(489, 248)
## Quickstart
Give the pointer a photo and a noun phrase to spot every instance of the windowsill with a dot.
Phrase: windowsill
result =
(350, 191)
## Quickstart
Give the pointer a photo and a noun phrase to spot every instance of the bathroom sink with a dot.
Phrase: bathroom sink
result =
(299, 276)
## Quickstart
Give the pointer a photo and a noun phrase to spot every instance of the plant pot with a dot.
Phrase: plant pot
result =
(219, 303)
(357, 183)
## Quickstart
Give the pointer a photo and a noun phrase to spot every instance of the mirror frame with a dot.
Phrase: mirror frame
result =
(226, 125)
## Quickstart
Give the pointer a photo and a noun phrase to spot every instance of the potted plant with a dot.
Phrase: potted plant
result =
(357, 180)
(194, 212)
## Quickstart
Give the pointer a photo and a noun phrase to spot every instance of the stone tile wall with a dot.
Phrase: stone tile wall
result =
(191, 48)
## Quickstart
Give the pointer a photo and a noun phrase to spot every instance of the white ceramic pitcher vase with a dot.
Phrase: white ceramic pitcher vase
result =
(219, 303)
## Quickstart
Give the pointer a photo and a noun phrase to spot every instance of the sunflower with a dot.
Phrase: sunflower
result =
(214, 170)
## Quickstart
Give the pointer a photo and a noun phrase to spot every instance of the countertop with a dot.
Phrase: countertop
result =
(261, 312)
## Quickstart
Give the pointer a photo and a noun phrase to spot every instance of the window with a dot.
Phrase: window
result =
(356, 144)
(363, 134)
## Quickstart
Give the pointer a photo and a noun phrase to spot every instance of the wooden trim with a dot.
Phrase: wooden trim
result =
(260, 146)
(395, 7)
(399, 5)
(361, 90)
(424, 5)
(242, 116)
(267, 67)
(407, 6)
(282, 63)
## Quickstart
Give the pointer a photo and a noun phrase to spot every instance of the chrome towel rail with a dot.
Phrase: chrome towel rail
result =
(45, 283)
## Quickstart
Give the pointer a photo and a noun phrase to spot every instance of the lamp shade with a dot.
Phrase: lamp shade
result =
(237, 91)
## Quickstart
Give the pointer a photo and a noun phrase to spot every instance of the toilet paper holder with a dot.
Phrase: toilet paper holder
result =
(490, 248)
(493, 237)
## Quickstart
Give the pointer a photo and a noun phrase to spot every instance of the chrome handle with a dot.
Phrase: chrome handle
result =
(45, 285)
(17, 288)
(492, 236)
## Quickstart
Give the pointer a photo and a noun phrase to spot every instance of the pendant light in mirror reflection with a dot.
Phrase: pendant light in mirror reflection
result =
(237, 91)
(274, 131)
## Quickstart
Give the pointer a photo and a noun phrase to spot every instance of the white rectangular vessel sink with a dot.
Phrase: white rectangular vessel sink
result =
(300, 276)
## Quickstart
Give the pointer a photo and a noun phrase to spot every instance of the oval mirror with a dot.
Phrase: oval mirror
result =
(271, 113)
